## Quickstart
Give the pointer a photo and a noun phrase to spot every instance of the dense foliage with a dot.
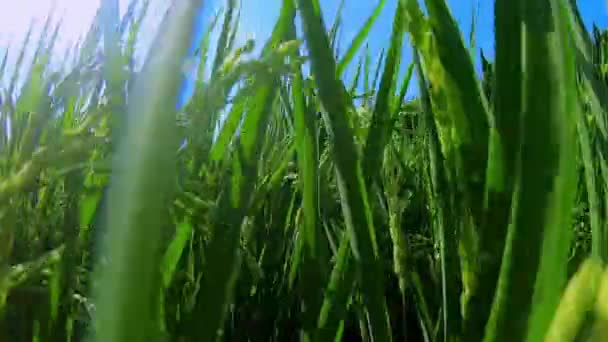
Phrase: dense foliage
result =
(280, 205)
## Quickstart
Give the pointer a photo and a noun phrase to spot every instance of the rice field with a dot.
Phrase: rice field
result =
(281, 203)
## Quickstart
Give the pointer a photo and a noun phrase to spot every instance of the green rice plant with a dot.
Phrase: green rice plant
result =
(300, 206)
(349, 171)
(439, 195)
(503, 151)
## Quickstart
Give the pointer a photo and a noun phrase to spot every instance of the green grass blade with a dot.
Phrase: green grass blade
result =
(33, 99)
(355, 82)
(19, 62)
(473, 29)
(221, 51)
(174, 252)
(338, 293)
(221, 254)
(359, 38)
(462, 119)
(504, 147)
(577, 301)
(380, 127)
(440, 197)
(366, 75)
(314, 250)
(465, 100)
(113, 65)
(403, 90)
(335, 27)
(354, 198)
(4, 61)
(553, 272)
(228, 130)
(534, 265)
(596, 92)
(374, 83)
(204, 49)
(594, 87)
(235, 29)
(222, 251)
(598, 238)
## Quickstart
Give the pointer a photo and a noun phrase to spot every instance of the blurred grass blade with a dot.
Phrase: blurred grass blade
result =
(34, 99)
(335, 27)
(204, 48)
(577, 301)
(19, 62)
(4, 61)
(174, 252)
(501, 170)
(534, 264)
(235, 28)
(221, 51)
(129, 286)
(552, 273)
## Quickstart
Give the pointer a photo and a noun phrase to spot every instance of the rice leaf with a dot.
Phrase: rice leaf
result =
(353, 192)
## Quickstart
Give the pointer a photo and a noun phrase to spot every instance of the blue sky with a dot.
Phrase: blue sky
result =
(258, 17)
